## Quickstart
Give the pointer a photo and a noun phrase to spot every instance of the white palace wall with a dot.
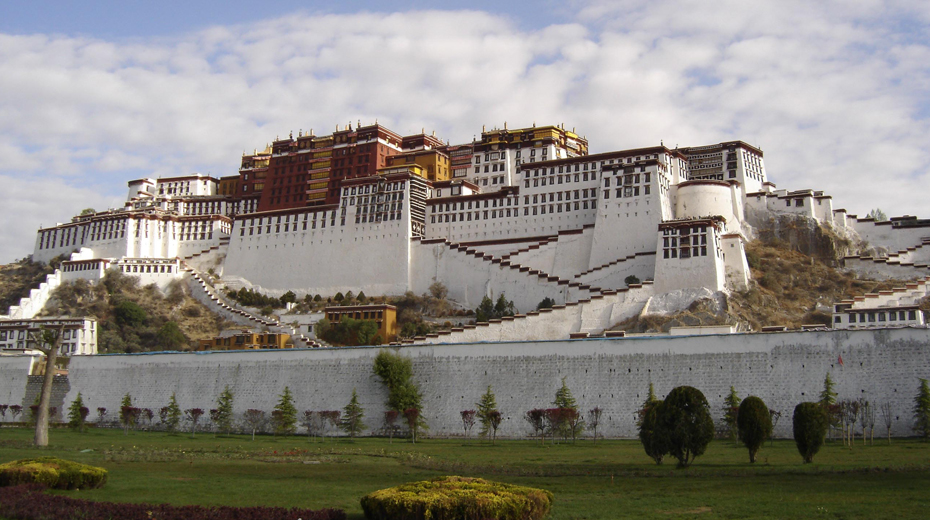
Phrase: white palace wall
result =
(614, 374)
(373, 258)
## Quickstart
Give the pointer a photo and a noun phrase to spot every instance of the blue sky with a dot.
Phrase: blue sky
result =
(95, 94)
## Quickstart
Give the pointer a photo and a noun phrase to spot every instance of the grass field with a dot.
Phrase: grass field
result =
(613, 479)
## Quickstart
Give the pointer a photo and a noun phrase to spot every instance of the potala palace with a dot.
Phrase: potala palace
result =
(526, 212)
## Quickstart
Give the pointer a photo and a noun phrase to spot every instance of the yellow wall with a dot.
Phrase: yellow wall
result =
(435, 164)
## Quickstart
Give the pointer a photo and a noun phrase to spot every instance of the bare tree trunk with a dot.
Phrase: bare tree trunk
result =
(41, 436)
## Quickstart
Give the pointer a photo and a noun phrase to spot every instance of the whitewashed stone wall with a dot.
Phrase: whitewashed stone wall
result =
(614, 374)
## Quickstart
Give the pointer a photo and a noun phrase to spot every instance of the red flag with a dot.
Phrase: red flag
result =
(840, 360)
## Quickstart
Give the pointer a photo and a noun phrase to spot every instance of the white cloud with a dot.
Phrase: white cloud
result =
(832, 91)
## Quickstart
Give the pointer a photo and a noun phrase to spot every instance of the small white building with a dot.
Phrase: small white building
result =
(79, 334)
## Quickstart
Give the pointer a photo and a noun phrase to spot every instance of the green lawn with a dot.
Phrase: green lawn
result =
(614, 479)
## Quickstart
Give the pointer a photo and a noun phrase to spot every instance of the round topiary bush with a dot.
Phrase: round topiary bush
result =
(52, 472)
(457, 498)
(810, 427)
(754, 424)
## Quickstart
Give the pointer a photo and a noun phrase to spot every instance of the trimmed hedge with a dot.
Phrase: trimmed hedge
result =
(28, 502)
(52, 472)
(457, 498)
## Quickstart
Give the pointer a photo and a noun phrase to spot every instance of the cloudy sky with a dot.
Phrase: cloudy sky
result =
(94, 94)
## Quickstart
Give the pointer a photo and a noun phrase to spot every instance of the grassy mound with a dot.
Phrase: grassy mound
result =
(457, 498)
(52, 472)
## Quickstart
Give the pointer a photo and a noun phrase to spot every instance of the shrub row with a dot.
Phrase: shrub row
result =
(52, 472)
(457, 498)
(28, 502)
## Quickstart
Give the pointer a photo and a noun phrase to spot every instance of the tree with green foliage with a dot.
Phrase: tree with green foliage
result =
(546, 303)
(171, 414)
(632, 279)
(878, 215)
(352, 416)
(731, 405)
(810, 423)
(684, 420)
(651, 435)
(77, 414)
(396, 372)
(828, 395)
(285, 413)
(224, 411)
(125, 403)
(288, 297)
(129, 314)
(754, 423)
(339, 297)
(486, 406)
(170, 336)
(571, 423)
(922, 411)
(485, 310)
(88, 211)
(362, 299)
(317, 298)
(503, 307)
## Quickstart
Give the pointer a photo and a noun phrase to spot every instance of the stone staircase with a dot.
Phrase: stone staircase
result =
(910, 263)
(31, 305)
(205, 293)
(909, 295)
(588, 317)
(534, 281)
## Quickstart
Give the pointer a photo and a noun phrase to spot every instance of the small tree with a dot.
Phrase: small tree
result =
(546, 303)
(754, 424)
(214, 419)
(922, 410)
(570, 423)
(555, 420)
(413, 420)
(390, 424)
(867, 420)
(594, 418)
(827, 395)
(887, 418)
(224, 411)
(352, 416)
(537, 419)
(284, 415)
(494, 418)
(731, 404)
(333, 418)
(127, 413)
(3, 409)
(468, 420)
(687, 425)
(172, 414)
(776, 416)
(77, 414)
(810, 424)
(193, 416)
(146, 415)
(631, 279)
(309, 422)
(254, 420)
(486, 406)
(101, 416)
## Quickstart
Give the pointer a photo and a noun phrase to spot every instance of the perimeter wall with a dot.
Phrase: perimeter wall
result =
(614, 374)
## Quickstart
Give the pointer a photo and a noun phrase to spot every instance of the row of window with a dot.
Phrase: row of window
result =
(541, 209)
(878, 316)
